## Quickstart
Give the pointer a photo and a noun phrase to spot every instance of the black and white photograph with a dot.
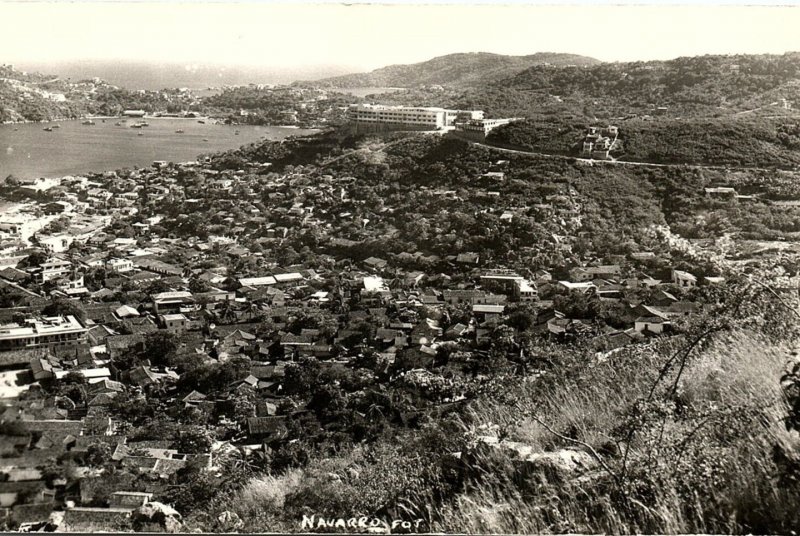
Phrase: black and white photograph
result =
(399, 268)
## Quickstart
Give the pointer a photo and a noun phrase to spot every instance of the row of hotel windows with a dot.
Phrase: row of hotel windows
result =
(44, 339)
(398, 116)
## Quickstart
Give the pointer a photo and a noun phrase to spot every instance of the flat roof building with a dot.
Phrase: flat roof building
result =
(257, 281)
(55, 268)
(478, 129)
(43, 331)
(172, 302)
(407, 117)
(376, 284)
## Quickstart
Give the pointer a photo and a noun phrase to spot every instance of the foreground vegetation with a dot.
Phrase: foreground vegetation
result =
(695, 442)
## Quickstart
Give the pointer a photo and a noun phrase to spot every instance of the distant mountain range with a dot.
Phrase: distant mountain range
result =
(455, 70)
(546, 85)
(155, 76)
(683, 87)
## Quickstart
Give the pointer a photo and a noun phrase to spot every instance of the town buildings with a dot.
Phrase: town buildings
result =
(212, 285)
(599, 142)
(478, 129)
(43, 331)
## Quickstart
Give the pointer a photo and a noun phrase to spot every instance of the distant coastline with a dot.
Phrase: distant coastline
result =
(82, 117)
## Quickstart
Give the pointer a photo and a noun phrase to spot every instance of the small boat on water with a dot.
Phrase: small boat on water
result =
(201, 121)
(48, 129)
(136, 125)
(103, 120)
(205, 139)
(88, 122)
(56, 126)
(118, 124)
(140, 134)
(236, 133)
(179, 131)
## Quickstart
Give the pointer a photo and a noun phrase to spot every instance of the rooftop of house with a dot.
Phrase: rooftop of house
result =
(172, 295)
(38, 326)
(486, 308)
(258, 281)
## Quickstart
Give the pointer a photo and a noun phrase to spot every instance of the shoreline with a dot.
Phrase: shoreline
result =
(261, 133)
(83, 117)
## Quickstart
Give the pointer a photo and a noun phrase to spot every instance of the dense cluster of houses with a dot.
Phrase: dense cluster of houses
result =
(188, 250)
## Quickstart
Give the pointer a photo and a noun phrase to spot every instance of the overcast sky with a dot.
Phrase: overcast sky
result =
(366, 37)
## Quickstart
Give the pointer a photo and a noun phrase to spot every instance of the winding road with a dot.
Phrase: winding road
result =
(627, 163)
(588, 161)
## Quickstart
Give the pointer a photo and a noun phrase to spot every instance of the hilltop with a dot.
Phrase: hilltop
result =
(683, 87)
(457, 70)
(724, 110)
(26, 96)
(700, 83)
(36, 97)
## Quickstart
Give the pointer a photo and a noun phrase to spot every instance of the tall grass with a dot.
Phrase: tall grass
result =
(700, 460)
(259, 505)
(699, 457)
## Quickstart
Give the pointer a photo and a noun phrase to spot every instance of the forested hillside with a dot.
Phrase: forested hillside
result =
(717, 110)
(38, 97)
(745, 142)
(684, 87)
(35, 97)
(455, 70)
(702, 84)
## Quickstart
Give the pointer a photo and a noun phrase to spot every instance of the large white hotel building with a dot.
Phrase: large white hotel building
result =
(404, 117)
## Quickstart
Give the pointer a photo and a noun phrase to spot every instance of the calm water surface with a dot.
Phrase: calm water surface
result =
(27, 151)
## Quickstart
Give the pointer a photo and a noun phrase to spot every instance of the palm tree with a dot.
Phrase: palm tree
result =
(227, 312)
(374, 409)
